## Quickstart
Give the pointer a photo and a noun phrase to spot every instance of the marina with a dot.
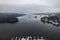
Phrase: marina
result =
(54, 20)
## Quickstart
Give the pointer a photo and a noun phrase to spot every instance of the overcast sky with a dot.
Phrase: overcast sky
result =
(54, 3)
(48, 3)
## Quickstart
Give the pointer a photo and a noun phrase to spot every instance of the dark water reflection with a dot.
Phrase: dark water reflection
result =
(29, 26)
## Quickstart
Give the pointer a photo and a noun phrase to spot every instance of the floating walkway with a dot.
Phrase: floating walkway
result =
(27, 38)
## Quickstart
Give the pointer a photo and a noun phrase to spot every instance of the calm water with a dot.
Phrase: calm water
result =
(29, 26)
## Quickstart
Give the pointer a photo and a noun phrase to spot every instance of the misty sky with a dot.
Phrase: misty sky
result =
(53, 4)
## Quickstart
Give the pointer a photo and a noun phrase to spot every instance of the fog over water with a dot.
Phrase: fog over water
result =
(28, 25)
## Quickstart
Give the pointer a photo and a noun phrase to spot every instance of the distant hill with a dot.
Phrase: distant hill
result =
(10, 15)
(56, 14)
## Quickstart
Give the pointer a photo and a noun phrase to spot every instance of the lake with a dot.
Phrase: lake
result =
(29, 26)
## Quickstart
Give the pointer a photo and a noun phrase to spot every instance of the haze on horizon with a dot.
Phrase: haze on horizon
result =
(29, 6)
